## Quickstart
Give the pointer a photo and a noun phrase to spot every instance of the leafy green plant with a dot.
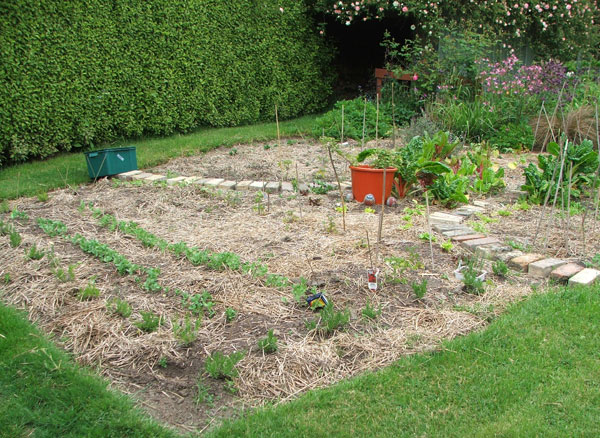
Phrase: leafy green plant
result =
(199, 303)
(42, 196)
(504, 212)
(447, 246)
(330, 123)
(370, 312)
(420, 289)
(321, 187)
(514, 244)
(479, 227)
(370, 210)
(19, 215)
(427, 237)
(89, 292)
(299, 291)
(64, 276)
(149, 323)
(119, 307)
(163, 362)
(594, 262)
(34, 253)
(269, 344)
(259, 205)
(186, 331)
(6, 279)
(202, 393)
(450, 189)
(331, 319)
(522, 205)
(400, 265)
(330, 226)
(221, 366)
(15, 238)
(500, 268)
(230, 314)
(472, 271)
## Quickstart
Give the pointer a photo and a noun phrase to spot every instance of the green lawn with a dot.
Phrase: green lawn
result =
(44, 394)
(28, 179)
(534, 372)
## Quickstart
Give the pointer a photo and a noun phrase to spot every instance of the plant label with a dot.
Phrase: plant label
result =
(372, 278)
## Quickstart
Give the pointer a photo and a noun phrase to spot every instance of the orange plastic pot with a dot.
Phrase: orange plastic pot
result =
(367, 180)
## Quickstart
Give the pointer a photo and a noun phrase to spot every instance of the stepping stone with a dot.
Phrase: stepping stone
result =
(566, 271)
(445, 218)
(584, 277)
(227, 185)
(176, 180)
(272, 187)
(243, 185)
(481, 204)
(256, 186)
(469, 210)
(491, 251)
(142, 175)
(190, 179)
(154, 178)
(287, 187)
(507, 256)
(441, 227)
(126, 176)
(474, 243)
(521, 263)
(200, 181)
(213, 182)
(459, 232)
(465, 237)
(542, 268)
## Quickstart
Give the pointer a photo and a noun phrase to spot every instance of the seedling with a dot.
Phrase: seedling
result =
(220, 366)
(330, 225)
(500, 268)
(370, 210)
(149, 322)
(299, 291)
(472, 274)
(6, 278)
(332, 319)
(17, 215)
(341, 209)
(233, 152)
(400, 264)
(89, 292)
(427, 237)
(202, 394)
(34, 253)
(230, 314)
(42, 196)
(447, 246)
(186, 332)
(522, 205)
(259, 205)
(504, 212)
(370, 312)
(269, 344)
(485, 219)
(64, 276)
(15, 238)
(479, 227)
(119, 307)
(517, 245)
(199, 303)
(420, 289)
(162, 362)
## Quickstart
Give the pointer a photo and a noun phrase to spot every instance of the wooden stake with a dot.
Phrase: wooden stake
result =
(382, 209)
(568, 221)
(537, 125)
(369, 249)
(362, 141)
(377, 124)
(277, 123)
(342, 136)
(339, 188)
(298, 190)
(562, 162)
(429, 228)
(393, 118)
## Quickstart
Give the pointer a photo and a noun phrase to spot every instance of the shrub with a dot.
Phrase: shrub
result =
(79, 73)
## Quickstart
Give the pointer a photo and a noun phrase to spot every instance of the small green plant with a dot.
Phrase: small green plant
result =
(426, 237)
(514, 244)
(230, 314)
(341, 209)
(310, 324)
(17, 215)
(163, 362)
(186, 332)
(504, 212)
(594, 262)
(233, 152)
(6, 279)
(399, 265)
(221, 366)
(299, 291)
(202, 394)
(522, 205)
(64, 276)
(447, 246)
(370, 312)
(370, 210)
(199, 303)
(269, 344)
(500, 268)
(331, 319)
(149, 322)
(15, 238)
(420, 289)
(479, 227)
(485, 219)
(471, 276)
(42, 196)
(259, 205)
(119, 307)
(34, 253)
(330, 226)
(89, 292)
(321, 187)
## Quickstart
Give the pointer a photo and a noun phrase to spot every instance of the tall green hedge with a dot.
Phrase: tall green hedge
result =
(79, 72)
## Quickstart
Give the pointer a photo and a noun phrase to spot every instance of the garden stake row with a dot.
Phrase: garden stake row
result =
(362, 141)
(560, 174)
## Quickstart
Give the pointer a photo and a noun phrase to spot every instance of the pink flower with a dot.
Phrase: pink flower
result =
(568, 6)
(415, 77)
(404, 9)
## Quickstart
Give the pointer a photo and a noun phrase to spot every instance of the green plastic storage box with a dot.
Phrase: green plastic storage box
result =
(105, 162)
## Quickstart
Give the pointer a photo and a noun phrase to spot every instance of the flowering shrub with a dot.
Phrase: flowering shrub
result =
(557, 27)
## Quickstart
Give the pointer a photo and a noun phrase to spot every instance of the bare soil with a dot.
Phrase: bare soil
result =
(296, 237)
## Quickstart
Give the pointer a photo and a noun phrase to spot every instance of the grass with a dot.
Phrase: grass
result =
(44, 394)
(533, 372)
(69, 169)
